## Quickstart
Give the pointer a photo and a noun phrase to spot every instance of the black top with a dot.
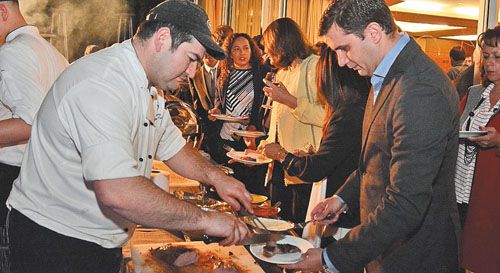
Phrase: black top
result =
(338, 153)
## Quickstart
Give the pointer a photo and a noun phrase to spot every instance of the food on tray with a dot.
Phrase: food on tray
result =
(265, 211)
(176, 256)
(226, 267)
(272, 248)
(249, 158)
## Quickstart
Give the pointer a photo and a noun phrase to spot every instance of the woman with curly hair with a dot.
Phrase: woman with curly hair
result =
(240, 95)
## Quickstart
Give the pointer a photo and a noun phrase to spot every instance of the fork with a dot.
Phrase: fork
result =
(303, 224)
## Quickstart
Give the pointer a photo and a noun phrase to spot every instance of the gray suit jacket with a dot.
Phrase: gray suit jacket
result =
(404, 187)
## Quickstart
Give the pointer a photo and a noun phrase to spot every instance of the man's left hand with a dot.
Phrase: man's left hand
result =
(233, 192)
(311, 261)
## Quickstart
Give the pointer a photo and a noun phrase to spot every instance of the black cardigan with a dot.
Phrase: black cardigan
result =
(338, 154)
(255, 118)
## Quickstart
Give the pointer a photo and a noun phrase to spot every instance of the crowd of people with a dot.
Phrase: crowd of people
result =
(368, 110)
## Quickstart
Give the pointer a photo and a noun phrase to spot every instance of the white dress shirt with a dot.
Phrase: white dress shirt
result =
(99, 121)
(28, 67)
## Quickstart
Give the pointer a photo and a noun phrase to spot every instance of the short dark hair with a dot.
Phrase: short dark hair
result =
(147, 28)
(491, 38)
(284, 39)
(354, 15)
(457, 53)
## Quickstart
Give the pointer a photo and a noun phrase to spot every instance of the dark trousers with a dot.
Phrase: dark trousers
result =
(36, 249)
(8, 174)
(294, 198)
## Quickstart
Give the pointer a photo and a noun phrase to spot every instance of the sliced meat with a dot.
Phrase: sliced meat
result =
(288, 248)
(176, 256)
(270, 249)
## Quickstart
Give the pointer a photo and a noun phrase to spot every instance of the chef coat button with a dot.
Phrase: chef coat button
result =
(150, 156)
(141, 159)
(145, 124)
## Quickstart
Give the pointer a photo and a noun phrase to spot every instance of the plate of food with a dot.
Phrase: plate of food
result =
(245, 133)
(248, 158)
(258, 199)
(466, 134)
(271, 224)
(288, 250)
(229, 117)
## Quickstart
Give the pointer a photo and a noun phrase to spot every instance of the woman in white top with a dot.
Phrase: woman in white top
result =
(297, 113)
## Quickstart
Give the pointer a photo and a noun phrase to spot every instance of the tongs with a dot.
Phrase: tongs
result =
(254, 219)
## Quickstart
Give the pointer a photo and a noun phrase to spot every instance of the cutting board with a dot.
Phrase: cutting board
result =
(144, 263)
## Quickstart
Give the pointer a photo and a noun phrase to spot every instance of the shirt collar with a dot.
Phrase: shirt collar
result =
(137, 68)
(27, 29)
(208, 68)
(386, 63)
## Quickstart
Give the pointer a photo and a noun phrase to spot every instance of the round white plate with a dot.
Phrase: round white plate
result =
(272, 224)
(241, 157)
(229, 118)
(466, 134)
(289, 258)
(248, 133)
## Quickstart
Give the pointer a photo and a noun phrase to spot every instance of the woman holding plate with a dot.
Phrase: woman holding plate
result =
(297, 113)
(239, 100)
(477, 177)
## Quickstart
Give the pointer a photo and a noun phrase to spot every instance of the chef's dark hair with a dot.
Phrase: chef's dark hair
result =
(147, 28)
(353, 16)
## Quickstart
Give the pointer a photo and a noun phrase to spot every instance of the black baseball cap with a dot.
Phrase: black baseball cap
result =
(189, 17)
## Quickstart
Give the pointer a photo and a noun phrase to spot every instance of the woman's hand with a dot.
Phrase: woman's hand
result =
(250, 141)
(278, 92)
(211, 112)
(490, 140)
(274, 151)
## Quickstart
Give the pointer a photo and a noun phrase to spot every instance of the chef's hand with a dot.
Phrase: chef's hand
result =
(311, 261)
(328, 207)
(211, 112)
(491, 139)
(232, 191)
(278, 92)
(225, 225)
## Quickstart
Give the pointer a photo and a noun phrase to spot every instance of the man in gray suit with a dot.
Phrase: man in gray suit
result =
(403, 188)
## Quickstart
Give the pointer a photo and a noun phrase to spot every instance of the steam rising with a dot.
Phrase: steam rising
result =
(88, 22)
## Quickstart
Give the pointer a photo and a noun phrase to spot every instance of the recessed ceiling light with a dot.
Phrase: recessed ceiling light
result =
(461, 37)
(467, 11)
(420, 27)
(420, 6)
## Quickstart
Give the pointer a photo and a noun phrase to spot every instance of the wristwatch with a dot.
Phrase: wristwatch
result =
(282, 155)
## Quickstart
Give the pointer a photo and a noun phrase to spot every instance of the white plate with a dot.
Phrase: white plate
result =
(290, 258)
(240, 157)
(229, 117)
(272, 224)
(248, 133)
(466, 134)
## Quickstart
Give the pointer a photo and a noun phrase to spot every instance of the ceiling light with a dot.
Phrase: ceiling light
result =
(467, 11)
(419, 6)
(461, 37)
(419, 27)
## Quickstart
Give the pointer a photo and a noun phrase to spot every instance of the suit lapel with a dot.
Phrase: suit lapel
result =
(201, 87)
(390, 80)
